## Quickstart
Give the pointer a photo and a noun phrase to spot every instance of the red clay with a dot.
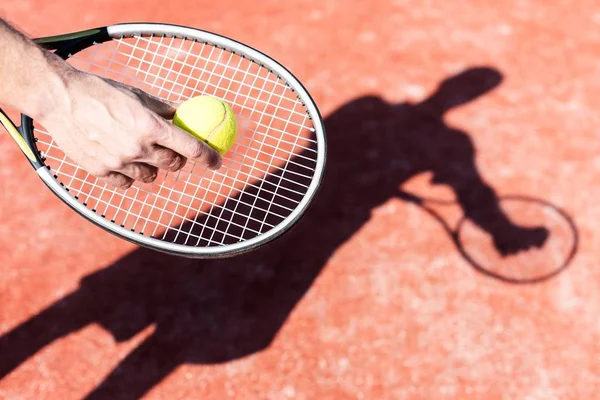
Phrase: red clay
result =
(369, 298)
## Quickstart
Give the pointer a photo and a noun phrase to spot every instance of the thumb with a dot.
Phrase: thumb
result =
(164, 108)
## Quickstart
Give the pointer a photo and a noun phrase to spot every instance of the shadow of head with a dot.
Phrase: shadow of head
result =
(463, 88)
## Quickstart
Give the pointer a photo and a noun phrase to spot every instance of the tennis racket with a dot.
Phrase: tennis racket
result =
(268, 178)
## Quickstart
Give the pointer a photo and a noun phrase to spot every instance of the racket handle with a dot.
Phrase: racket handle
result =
(16, 135)
(54, 42)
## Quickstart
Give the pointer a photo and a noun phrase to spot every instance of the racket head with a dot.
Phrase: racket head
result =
(268, 179)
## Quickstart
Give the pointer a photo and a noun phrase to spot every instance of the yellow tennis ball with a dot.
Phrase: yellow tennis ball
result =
(209, 119)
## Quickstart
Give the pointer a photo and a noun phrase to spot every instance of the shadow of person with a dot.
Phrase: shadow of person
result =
(207, 312)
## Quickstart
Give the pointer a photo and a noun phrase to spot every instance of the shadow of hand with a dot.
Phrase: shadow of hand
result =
(516, 239)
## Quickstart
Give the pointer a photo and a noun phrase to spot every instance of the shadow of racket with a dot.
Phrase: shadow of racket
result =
(535, 261)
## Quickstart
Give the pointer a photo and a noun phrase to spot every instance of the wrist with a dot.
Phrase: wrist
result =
(49, 88)
(32, 80)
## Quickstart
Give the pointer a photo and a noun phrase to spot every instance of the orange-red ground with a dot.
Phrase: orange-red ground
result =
(369, 298)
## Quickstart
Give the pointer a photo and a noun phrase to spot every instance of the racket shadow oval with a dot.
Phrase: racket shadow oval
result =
(541, 269)
(542, 247)
(215, 311)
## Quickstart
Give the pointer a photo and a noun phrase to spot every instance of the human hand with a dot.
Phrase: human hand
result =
(118, 133)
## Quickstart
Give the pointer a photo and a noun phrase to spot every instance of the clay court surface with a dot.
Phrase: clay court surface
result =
(370, 297)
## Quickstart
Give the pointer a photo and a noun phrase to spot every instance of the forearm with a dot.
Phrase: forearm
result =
(32, 80)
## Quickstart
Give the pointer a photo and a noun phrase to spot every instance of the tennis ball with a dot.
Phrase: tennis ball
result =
(210, 120)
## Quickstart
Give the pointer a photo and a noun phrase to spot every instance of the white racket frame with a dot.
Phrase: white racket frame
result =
(133, 29)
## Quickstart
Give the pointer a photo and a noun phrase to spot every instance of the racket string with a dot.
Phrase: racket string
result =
(88, 179)
(278, 185)
(134, 199)
(245, 154)
(174, 83)
(253, 166)
(195, 193)
(262, 182)
(207, 59)
(171, 189)
(166, 174)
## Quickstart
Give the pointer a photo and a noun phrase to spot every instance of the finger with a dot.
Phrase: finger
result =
(188, 146)
(140, 172)
(164, 108)
(119, 180)
(164, 158)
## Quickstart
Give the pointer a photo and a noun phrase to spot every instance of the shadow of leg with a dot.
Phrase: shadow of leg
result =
(141, 370)
(57, 321)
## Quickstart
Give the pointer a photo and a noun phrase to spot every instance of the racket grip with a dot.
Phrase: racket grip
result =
(54, 42)
(16, 135)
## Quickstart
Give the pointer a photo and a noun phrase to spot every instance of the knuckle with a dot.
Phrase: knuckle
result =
(135, 150)
(95, 136)
(97, 170)
(152, 127)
